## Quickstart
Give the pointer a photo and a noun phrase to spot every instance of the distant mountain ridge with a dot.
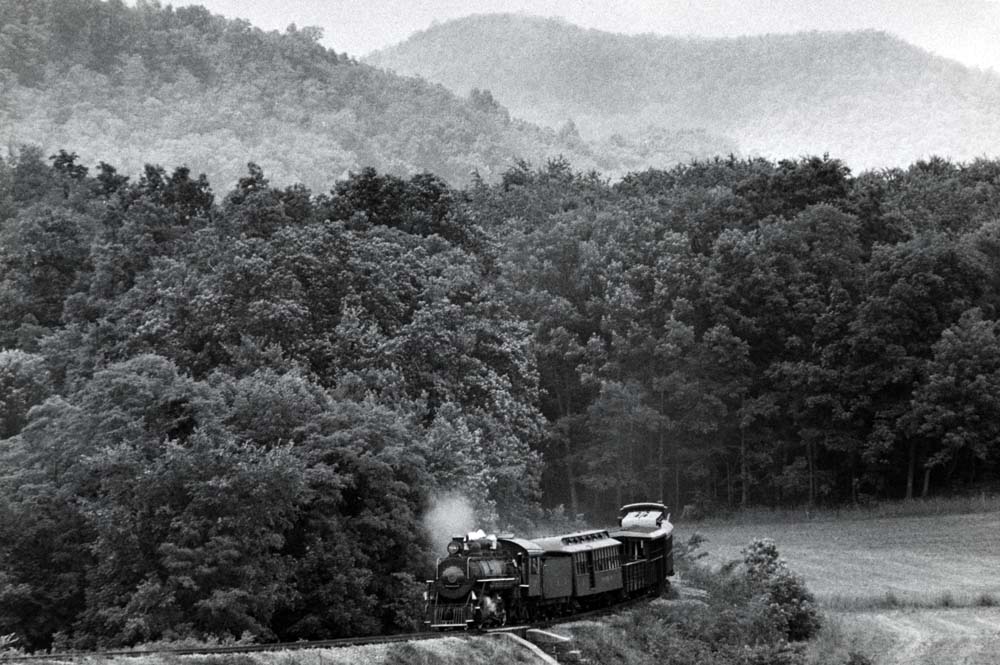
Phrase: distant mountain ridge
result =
(131, 85)
(867, 97)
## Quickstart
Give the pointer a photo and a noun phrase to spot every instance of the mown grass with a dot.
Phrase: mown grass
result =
(908, 636)
(955, 505)
(897, 583)
(930, 560)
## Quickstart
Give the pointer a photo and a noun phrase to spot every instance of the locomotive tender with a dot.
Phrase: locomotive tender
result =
(486, 581)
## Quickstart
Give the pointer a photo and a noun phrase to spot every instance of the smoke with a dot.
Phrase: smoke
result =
(558, 521)
(449, 515)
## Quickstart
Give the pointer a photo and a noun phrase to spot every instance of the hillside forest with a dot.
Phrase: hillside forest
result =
(868, 97)
(226, 413)
(145, 83)
(227, 402)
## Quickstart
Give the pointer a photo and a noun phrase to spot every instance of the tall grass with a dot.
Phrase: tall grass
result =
(909, 601)
(843, 643)
(483, 651)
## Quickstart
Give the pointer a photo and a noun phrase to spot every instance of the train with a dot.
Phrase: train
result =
(488, 581)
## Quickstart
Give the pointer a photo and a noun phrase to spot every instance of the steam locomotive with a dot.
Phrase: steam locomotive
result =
(488, 581)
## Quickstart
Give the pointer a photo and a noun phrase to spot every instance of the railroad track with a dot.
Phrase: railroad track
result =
(321, 644)
(236, 648)
(254, 648)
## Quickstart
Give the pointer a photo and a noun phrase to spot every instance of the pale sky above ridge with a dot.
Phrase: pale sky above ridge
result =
(965, 30)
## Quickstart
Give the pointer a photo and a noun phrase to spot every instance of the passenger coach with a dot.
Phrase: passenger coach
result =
(647, 539)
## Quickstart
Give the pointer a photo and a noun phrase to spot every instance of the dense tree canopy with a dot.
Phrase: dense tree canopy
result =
(740, 331)
(225, 413)
(227, 416)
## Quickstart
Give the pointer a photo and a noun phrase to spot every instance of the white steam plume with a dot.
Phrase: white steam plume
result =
(449, 515)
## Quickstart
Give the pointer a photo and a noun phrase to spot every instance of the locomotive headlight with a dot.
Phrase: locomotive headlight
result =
(453, 548)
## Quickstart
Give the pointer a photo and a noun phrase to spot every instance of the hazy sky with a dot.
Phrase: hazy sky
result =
(967, 30)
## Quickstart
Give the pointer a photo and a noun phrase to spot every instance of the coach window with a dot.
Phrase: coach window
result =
(534, 565)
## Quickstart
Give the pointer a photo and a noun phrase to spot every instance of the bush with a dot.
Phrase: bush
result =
(781, 653)
(8, 644)
(986, 600)
(405, 609)
(789, 599)
(784, 594)
(761, 559)
(688, 633)
(689, 551)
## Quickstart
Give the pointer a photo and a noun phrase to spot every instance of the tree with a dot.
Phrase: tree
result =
(24, 382)
(955, 409)
(620, 427)
(189, 539)
(44, 539)
(915, 290)
(556, 276)
(44, 252)
(793, 186)
(367, 481)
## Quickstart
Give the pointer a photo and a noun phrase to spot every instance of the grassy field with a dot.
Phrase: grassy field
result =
(951, 636)
(905, 583)
(866, 562)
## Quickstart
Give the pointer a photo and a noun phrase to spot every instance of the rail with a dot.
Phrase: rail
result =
(254, 648)
(319, 644)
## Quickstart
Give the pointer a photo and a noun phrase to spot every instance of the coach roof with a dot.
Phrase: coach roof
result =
(577, 542)
(529, 546)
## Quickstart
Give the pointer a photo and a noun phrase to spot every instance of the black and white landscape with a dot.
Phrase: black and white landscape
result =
(279, 317)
